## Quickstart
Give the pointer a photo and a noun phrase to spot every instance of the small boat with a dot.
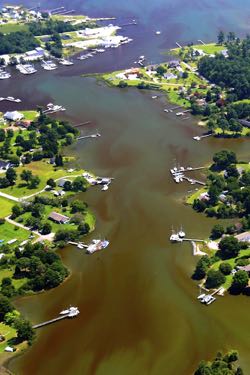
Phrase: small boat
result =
(4, 75)
(105, 187)
(65, 62)
(201, 296)
(154, 97)
(158, 32)
(97, 245)
(64, 312)
(80, 246)
(181, 233)
(48, 65)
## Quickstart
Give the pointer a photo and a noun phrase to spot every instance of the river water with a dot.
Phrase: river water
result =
(139, 313)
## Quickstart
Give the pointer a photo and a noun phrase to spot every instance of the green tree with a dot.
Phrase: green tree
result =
(46, 228)
(221, 37)
(240, 281)
(11, 175)
(5, 307)
(24, 330)
(34, 182)
(217, 231)
(26, 175)
(11, 317)
(225, 268)
(223, 159)
(214, 279)
(229, 247)
(51, 183)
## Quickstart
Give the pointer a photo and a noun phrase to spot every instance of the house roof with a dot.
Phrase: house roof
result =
(13, 116)
(58, 217)
(244, 268)
(4, 164)
(61, 182)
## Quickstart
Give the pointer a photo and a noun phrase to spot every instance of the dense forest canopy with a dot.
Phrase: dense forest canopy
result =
(17, 42)
(230, 72)
(51, 27)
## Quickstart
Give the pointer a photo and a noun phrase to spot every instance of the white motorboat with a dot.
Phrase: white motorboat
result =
(64, 312)
(4, 75)
(105, 187)
(65, 62)
(158, 32)
(48, 65)
(181, 233)
(97, 245)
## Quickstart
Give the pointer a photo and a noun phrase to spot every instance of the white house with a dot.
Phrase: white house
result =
(13, 116)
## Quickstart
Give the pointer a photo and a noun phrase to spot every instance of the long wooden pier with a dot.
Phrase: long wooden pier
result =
(82, 124)
(50, 321)
(89, 136)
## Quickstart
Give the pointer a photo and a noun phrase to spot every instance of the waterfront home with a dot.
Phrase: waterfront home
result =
(243, 237)
(173, 63)
(13, 116)
(58, 218)
(170, 75)
(244, 268)
(4, 165)
(61, 182)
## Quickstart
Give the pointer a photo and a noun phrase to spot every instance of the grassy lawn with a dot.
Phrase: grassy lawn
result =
(246, 167)
(39, 168)
(90, 220)
(9, 273)
(210, 48)
(13, 27)
(191, 198)
(88, 217)
(9, 232)
(29, 115)
(8, 332)
(174, 98)
(6, 206)
(232, 262)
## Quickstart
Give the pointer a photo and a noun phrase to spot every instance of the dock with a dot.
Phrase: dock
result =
(178, 44)
(200, 137)
(71, 312)
(178, 175)
(82, 124)
(89, 136)
(201, 41)
(193, 181)
(49, 322)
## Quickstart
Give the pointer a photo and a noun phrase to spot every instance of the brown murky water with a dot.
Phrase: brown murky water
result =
(139, 313)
